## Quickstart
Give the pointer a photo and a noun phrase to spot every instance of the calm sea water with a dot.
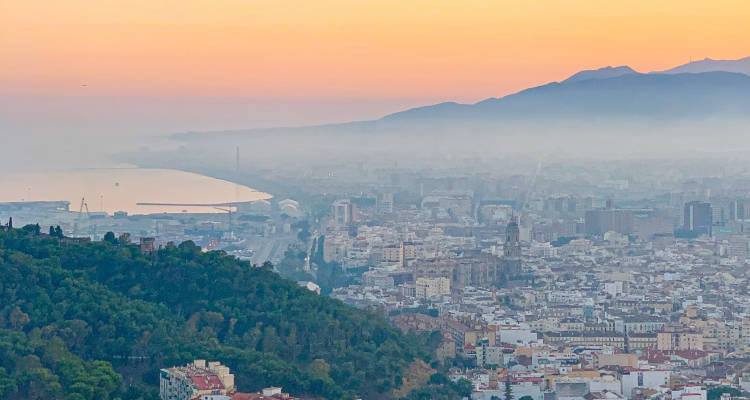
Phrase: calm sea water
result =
(113, 190)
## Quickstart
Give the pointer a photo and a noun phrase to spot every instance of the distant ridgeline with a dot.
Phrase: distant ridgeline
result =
(96, 320)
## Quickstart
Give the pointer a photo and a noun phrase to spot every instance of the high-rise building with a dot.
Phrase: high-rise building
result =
(408, 252)
(344, 212)
(649, 223)
(718, 215)
(736, 210)
(385, 202)
(738, 247)
(601, 221)
(698, 218)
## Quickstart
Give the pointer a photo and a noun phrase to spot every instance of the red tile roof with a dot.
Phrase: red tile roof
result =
(207, 382)
(257, 396)
(246, 396)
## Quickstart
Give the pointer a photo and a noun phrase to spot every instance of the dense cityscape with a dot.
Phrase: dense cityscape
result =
(586, 284)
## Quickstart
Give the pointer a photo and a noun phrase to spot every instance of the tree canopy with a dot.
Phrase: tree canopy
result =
(95, 320)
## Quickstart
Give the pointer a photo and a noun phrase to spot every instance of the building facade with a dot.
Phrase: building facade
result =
(195, 380)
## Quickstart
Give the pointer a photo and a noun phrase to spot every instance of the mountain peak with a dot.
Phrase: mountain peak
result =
(741, 66)
(607, 92)
(601, 73)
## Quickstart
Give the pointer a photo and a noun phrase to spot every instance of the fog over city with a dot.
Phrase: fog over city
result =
(80, 131)
(697, 109)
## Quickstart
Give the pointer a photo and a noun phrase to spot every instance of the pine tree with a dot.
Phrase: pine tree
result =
(508, 389)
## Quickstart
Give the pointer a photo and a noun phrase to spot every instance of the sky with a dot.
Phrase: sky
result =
(82, 79)
(386, 49)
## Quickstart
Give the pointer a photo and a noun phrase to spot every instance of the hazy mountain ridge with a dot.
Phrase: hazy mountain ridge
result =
(600, 94)
(601, 73)
(646, 95)
(741, 66)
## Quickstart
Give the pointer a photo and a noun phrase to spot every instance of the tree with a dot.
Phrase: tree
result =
(109, 237)
(508, 388)
(438, 379)
(34, 229)
(319, 368)
(526, 398)
(18, 318)
(124, 239)
(91, 301)
(715, 393)
(463, 387)
(303, 236)
(58, 231)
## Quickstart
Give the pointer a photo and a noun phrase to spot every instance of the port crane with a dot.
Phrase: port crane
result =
(83, 206)
(81, 215)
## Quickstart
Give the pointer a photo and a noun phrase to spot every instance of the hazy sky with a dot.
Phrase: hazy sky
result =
(83, 79)
(300, 49)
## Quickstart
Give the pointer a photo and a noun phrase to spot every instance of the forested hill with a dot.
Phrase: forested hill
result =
(97, 320)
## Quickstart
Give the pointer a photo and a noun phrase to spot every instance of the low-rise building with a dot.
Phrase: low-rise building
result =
(428, 287)
(606, 338)
(194, 380)
(678, 338)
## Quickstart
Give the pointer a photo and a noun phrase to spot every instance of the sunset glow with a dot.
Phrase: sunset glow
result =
(463, 50)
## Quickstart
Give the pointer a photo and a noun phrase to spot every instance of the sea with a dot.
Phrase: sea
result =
(122, 189)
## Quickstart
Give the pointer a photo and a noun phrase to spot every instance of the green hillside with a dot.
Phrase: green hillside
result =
(74, 313)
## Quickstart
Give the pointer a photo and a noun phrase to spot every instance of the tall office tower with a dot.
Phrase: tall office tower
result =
(718, 214)
(601, 221)
(698, 218)
(344, 212)
(385, 202)
(738, 247)
(736, 210)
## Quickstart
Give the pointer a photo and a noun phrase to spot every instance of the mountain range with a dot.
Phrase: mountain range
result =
(615, 92)
(632, 95)
(697, 91)
(601, 73)
(741, 66)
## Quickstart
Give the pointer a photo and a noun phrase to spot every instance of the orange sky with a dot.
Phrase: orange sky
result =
(464, 49)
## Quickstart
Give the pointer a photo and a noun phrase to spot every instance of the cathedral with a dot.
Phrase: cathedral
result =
(512, 250)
